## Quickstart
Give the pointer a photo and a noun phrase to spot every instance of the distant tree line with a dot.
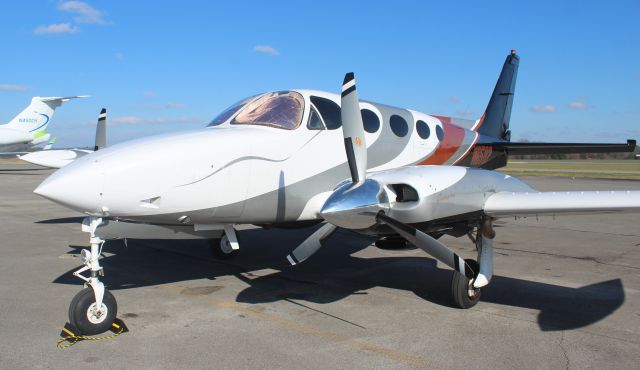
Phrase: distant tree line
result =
(577, 156)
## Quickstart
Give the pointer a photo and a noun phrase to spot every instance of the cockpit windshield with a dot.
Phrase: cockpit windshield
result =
(282, 109)
(229, 112)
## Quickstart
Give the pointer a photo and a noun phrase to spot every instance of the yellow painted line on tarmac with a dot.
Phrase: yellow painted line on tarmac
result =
(310, 330)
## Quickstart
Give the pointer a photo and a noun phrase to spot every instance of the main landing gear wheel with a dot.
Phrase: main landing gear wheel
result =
(222, 249)
(462, 290)
(87, 317)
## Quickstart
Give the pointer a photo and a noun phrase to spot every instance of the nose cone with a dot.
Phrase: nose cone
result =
(161, 178)
(76, 186)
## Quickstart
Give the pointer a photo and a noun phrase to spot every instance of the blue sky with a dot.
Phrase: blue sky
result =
(168, 66)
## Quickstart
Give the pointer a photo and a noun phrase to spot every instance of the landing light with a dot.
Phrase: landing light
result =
(85, 256)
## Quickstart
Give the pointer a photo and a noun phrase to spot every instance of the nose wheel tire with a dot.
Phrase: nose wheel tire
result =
(87, 317)
(462, 290)
(221, 248)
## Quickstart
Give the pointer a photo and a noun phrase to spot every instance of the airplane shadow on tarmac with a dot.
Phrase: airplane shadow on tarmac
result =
(62, 220)
(332, 274)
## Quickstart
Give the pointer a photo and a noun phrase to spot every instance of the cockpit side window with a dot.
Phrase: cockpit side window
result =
(315, 122)
(329, 111)
(282, 109)
(229, 112)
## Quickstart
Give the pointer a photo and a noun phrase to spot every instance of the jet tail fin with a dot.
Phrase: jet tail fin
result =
(37, 115)
(101, 130)
(495, 121)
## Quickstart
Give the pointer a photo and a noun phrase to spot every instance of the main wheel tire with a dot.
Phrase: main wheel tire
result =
(463, 293)
(84, 316)
(221, 248)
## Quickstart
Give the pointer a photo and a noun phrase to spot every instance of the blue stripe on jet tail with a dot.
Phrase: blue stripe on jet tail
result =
(42, 125)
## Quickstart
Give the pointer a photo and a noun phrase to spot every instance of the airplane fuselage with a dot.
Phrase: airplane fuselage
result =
(12, 140)
(27, 129)
(256, 174)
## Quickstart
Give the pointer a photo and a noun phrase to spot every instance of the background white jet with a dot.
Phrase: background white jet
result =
(27, 129)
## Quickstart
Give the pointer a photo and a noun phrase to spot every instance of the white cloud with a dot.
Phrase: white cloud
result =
(137, 120)
(580, 104)
(167, 105)
(56, 29)
(267, 49)
(7, 87)
(454, 99)
(125, 120)
(84, 12)
(174, 105)
(149, 94)
(465, 112)
(119, 56)
(544, 108)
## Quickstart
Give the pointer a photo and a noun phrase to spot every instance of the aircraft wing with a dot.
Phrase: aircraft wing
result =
(55, 158)
(507, 204)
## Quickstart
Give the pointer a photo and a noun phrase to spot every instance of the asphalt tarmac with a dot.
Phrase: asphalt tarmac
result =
(566, 295)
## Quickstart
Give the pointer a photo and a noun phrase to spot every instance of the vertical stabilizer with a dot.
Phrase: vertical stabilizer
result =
(495, 122)
(38, 114)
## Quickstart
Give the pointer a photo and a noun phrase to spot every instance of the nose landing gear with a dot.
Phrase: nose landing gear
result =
(93, 309)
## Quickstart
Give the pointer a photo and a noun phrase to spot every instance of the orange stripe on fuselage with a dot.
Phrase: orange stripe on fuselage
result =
(473, 144)
(453, 138)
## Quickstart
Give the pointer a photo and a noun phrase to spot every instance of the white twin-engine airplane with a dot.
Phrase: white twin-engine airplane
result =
(61, 157)
(279, 159)
(27, 129)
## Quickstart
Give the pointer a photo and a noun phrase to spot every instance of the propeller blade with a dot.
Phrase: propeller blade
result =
(311, 244)
(353, 130)
(101, 130)
(428, 244)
